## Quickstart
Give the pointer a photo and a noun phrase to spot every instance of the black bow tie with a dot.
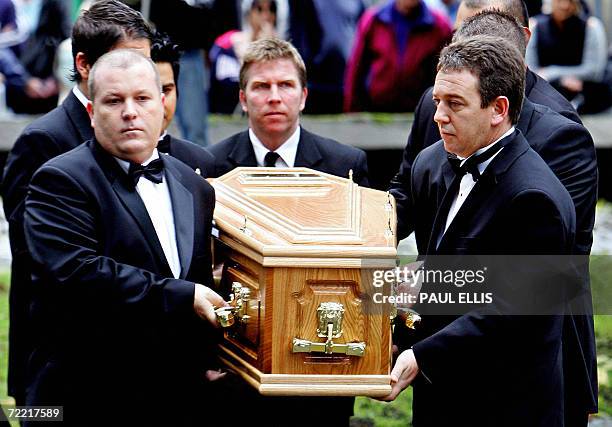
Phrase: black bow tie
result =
(470, 165)
(154, 171)
(163, 144)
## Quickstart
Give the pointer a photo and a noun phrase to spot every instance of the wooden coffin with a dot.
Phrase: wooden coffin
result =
(296, 240)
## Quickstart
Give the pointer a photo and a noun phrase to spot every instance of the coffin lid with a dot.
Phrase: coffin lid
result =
(300, 212)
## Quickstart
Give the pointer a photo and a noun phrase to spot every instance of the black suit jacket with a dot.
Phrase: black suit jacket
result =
(109, 318)
(485, 368)
(314, 151)
(539, 91)
(191, 154)
(53, 134)
(56, 132)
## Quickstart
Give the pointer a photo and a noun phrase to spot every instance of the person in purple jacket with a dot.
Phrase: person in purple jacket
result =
(394, 56)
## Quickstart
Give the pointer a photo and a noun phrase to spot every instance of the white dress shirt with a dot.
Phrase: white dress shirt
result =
(156, 198)
(287, 151)
(80, 96)
(467, 182)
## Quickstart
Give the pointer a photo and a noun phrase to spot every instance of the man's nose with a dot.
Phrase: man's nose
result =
(129, 110)
(441, 115)
(274, 94)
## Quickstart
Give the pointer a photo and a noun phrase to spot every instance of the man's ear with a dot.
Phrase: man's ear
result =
(500, 110)
(304, 96)
(90, 111)
(82, 66)
(527, 33)
(243, 102)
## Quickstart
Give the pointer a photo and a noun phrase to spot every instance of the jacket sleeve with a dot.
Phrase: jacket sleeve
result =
(570, 154)
(360, 172)
(32, 149)
(61, 233)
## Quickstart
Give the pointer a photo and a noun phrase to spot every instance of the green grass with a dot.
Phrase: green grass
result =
(369, 412)
(4, 321)
(603, 336)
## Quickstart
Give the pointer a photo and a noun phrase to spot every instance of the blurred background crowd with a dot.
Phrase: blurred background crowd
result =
(361, 55)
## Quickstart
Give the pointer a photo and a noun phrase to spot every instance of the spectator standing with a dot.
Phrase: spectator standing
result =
(570, 51)
(323, 32)
(50, 23)
(166, 56)
(228, 50)
(192, 25)
(394, 56)
(8, 17)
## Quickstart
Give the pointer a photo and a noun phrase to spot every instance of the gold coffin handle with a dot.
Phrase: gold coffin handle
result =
(350, 349)
(237, 308)
(330, 315)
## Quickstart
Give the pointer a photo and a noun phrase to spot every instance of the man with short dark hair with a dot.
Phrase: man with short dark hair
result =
(166, 56)
(482, 190)
(568, 149)
(105, 26)
(273, 93)
(119, 237)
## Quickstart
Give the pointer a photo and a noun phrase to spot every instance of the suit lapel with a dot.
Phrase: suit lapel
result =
(474, 201)
(308, 154)
(131, 200)
(525, 116)
(452, 182)
(79, 117)
(486, 185)
(243, 154)
(184, 221)
(530, 81)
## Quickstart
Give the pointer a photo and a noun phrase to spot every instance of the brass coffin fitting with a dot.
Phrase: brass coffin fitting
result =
(237, 309)
(412, 319)
(330, 315)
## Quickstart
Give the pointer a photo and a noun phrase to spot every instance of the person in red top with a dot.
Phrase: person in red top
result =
(394, 55)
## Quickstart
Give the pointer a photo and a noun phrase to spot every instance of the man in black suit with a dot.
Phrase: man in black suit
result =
(166, 56)
(482, 190)
(273, 93)
(120, 242)
(568, 150)
(106, 26)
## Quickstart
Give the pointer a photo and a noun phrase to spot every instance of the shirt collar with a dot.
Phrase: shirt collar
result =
(287, 151)
(482, 166)
(125, 165)
(80, 96)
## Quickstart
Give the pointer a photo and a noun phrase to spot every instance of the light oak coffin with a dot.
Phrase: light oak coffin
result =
(297, 238)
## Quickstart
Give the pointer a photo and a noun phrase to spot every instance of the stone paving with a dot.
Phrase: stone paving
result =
(602, 236)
